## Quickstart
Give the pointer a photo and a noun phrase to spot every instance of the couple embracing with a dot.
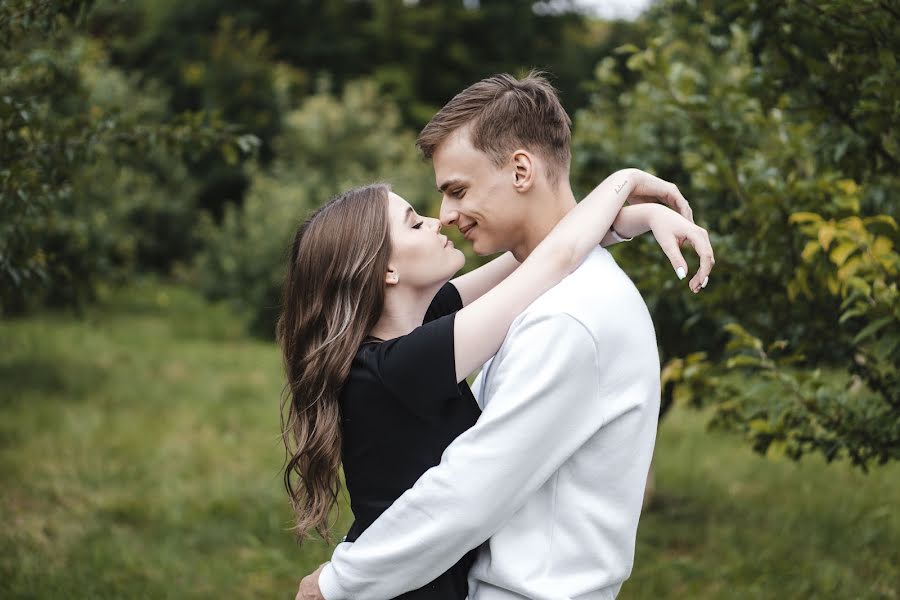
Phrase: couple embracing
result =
(528, 485)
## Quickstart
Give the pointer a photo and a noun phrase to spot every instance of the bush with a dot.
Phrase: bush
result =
(79, 137)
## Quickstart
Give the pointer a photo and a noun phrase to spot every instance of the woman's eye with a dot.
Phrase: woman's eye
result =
(418, 225)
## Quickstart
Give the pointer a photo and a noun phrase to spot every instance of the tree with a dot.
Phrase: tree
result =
(778, 123)
(73, 134)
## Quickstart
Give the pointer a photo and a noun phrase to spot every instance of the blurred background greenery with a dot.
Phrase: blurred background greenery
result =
(156, 155)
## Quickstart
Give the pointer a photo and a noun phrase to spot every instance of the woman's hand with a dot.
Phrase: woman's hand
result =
(309, 586)
(660, 207)
(651, 189)
(671, 231)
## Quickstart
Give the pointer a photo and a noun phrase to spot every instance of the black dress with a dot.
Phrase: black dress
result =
(400, 408)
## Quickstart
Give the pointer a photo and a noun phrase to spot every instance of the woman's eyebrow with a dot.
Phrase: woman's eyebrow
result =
(408, 214)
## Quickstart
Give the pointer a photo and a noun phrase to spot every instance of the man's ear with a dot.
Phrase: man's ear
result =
(524, 170)
(392, 277)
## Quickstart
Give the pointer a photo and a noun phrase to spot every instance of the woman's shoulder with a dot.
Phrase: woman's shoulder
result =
(367, 355)
(417, 368)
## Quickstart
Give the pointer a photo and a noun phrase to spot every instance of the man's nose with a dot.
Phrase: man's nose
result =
(448, 214)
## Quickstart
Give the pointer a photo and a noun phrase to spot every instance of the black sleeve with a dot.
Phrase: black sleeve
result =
(446, 301)
(420, 368)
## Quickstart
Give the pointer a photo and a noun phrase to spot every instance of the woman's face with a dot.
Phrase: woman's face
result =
(421, 256)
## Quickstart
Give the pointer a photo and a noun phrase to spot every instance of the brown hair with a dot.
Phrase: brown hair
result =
(506, 113)
(332, 297)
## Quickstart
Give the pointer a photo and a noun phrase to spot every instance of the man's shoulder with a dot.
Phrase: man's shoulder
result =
(599, 296)
(596, 286)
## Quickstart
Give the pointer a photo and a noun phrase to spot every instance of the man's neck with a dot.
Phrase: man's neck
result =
(549, 206)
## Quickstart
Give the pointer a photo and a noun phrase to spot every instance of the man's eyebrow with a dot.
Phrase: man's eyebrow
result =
(449, 183)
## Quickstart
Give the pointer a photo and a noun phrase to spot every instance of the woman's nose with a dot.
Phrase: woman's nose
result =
(436, 224)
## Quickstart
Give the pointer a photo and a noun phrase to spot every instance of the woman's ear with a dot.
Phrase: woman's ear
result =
(523, 170)
(391, 277)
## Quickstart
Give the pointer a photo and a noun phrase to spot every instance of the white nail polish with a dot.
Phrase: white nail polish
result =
(705, 281)
(680, 272)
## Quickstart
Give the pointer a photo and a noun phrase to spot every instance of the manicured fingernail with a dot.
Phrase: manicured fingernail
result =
(680, 272)
(705, 281)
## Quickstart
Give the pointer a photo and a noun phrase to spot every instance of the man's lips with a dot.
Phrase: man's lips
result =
(465, 230)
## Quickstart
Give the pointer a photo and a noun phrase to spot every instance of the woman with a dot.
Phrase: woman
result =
(375, 386)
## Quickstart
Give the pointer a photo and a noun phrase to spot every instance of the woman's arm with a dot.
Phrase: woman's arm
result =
(481, 326)
(474, 284)
(630, 222)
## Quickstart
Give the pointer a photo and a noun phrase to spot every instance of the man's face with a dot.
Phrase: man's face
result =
(477, 197)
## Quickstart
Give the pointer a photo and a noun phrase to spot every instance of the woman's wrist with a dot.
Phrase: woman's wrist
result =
(618, 237)
(635, 220)
(626, 181)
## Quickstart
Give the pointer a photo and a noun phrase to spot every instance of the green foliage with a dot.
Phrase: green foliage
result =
(859, 418)
(722, 107)
(119, 153)
(419, 53)
(796, 411)
(223, 68)
(857, 263)
(75, 133)
(328, 145)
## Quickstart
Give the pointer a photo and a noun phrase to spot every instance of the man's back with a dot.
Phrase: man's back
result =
(574, 536)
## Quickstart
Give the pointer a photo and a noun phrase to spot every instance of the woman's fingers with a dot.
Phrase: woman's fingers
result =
(673, 251)
(672, 197)
(698, 238)
(654, 189)
(680, 203)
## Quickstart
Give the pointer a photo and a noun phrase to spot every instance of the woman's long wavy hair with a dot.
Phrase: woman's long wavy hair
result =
(332, 298)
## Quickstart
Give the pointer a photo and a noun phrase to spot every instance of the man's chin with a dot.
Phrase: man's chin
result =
(480, 250)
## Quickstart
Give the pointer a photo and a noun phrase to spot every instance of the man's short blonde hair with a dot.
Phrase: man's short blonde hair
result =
(506, 113)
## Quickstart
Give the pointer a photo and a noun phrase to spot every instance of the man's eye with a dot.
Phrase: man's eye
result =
(459, 193)
(418, 225)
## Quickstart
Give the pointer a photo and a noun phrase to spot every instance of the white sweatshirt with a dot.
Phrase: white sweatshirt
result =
(552, 475)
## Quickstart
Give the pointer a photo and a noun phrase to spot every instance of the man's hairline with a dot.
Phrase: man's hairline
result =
(456, 179)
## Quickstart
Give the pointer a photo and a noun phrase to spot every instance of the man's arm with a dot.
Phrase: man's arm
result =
(546, 403)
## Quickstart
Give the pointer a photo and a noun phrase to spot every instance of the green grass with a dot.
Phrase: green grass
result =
(139, 458)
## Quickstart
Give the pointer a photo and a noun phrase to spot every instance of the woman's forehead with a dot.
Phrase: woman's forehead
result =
(398, 207)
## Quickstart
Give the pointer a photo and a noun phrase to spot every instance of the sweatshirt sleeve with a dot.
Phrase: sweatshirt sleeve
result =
(545, 403)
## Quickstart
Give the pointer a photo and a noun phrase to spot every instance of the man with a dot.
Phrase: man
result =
(552, 475)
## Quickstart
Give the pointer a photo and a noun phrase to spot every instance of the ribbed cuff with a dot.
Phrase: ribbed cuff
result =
(329, 586)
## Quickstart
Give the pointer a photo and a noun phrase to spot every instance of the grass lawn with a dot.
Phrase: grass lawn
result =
(140, 457)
